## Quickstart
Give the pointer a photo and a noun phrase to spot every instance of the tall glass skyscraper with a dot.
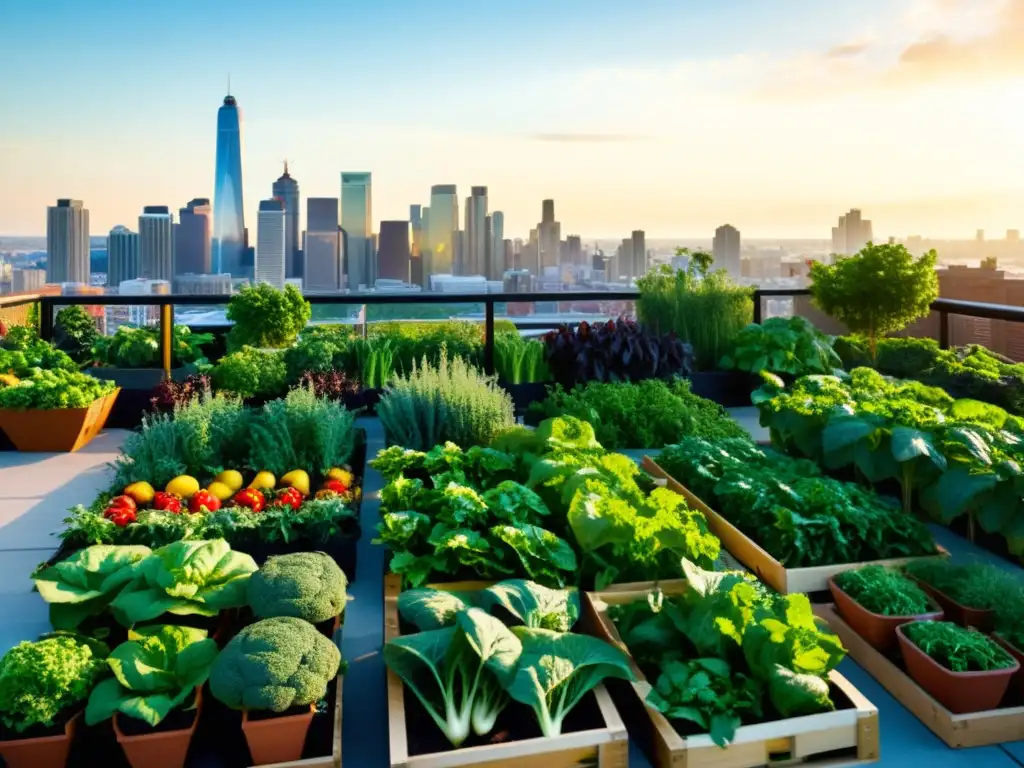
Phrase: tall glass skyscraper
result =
(228, 214)
(444, 222)
(356, 218)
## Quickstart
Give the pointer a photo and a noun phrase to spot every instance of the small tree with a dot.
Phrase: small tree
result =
(878, 291)
(266, 317)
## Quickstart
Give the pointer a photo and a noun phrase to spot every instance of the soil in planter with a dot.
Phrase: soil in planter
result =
(40, 731)
(516, 723)
(178, 720)
(268, 715)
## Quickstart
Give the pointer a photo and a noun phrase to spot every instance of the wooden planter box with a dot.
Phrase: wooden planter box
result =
(976, 729)
(56, 430)
(604, 747)
(769, 570)
(846, 737)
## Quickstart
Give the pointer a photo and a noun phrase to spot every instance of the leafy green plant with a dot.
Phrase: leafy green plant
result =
(156, 671)
(132, 347)
(251, 372)
(307, 585)
(974, 585)
(520, 361)
(266, 317)
(782, 345)
(884, 591)
(878, 291)
(956, 648)
(20, 359)
(274, 665)
(75, 332)
(19, 338)
(41, 681)
(54, 389)
(314, 353)
(449, 402)
(373, 360)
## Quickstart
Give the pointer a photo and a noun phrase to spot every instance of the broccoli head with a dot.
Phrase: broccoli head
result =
(307, 585)
(275, 664)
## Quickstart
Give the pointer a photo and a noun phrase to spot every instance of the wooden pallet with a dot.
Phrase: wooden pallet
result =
(769, 570)
(976, 729)
(846, 737)
(605, 747)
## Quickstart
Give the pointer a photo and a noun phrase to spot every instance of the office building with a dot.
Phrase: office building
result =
(416, 245)
(27, 279)
(202, 285)
(394, 251)
(67, 243)
(624, 260)
(852, 234)
(726, 249)
(442, 226)
(192, 238)
(356, 220)
(574, 249)
(498, 266)
(549, 237)
(324, 261)
(229, 236)
(287, 189)
(122, 255)
(156, 243)
(639, 241)
(476, 234)
(270, 243)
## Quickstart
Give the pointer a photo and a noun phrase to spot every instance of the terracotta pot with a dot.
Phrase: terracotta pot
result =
(56, 430)
(1018, 679)
(41, 752)
(960, 614)
(277, 739)
(959, 692)
(161, 749)
(876, 628)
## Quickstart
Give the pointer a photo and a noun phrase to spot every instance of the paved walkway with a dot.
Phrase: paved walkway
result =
(37, 489)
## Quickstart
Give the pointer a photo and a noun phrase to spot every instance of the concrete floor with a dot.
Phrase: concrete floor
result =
(37, 489)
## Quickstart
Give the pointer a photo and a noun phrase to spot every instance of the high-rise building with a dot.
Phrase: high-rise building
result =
(27, 279)
(726, 250)
(122, 255)
(639, 253)
(624, 260)
(574, 249)
(229, 238)
(416, 246)
(476, 237)
(852, 234)
(192, 238)
(394, 251)
(156, 243)
(270, 227)
(324, 270)
(67, 243)
(287, 189)
(202, 285)
(498, 265)
(442, 226)
(549, 237)
(356, 220)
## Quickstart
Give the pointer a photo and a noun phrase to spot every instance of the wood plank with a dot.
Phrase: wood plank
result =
(975, 729)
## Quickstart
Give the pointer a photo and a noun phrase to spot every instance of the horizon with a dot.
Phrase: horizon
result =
(777, 116)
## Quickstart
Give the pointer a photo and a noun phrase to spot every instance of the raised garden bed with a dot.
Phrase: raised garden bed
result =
(753, 557)
(975, 729)
(847, 736)
(138, 386)
(56, 430)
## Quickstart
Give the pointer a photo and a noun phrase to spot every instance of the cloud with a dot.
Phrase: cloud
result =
(587, 138)
(846, 50)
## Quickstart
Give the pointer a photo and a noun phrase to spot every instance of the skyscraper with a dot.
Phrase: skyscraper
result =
(356, 220)
(192, 247)
(394, 253)
(726, 250)
(549, 237)
(498, 244)
(443, 223)
(416, 246)
(270, 245)
(287, 189)
(476, 240)
(325, 270)
(156, 243)
(574, 249)
(67, 243)
(639, 253)
(852, 234)
(228, 213)
(122, 255)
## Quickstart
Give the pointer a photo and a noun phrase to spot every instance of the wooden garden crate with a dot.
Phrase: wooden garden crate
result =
(976, 729)
(604, 747)
(846, 737)
(754, 558)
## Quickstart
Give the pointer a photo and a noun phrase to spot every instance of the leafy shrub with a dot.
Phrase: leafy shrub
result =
(520, 361)
(619, 350)
(37, 354)
(704, 308)
(48, 389)
(274, 665)
(649, 414)
(411, 342)
(39, 681)
(451, 402)
(307, 585)
(75, 332)
(782, 345)
(266, 317)
(956, 648)
(314, 353)
(140, 347)
(251, 372)
(884, 591)
(19, 338)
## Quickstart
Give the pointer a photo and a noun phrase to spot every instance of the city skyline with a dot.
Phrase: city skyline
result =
(773, 117)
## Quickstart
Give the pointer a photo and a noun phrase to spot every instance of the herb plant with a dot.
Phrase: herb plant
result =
(956, 648)
(782, 345)
(20, 360)
(53, 389)
(131, 347)
(520, 361)
(884, 591)
(974, 585)
(251, 372)
(266, 317)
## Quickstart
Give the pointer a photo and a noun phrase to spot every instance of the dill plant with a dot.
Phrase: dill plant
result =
(884, 591)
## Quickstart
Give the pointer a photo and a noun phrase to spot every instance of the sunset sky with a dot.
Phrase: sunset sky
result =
(672, 116)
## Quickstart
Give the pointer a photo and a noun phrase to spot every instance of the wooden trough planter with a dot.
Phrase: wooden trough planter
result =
(56, 430)
(975, 729)
(784, 580)
(848, 736)
(605, 746)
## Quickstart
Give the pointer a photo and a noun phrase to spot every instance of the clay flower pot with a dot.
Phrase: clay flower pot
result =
(960, 614)
(56, 430)
(959, 692)
(276, 739)
(876, 628)
(41, 751)
(1018, 679)
(159, 749)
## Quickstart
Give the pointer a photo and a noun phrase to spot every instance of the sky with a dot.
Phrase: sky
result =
(671, 116)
